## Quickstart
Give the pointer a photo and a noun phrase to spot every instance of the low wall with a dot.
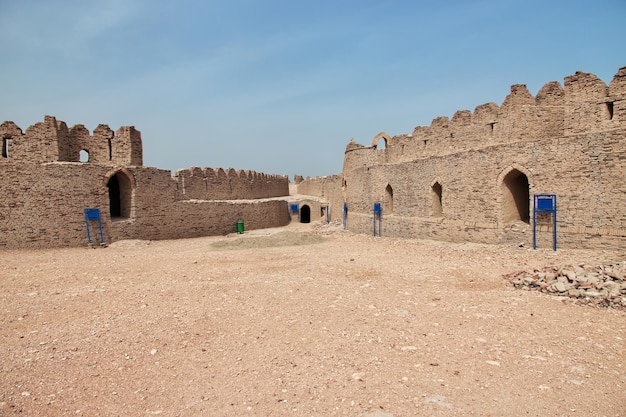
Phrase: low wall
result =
(41, 206)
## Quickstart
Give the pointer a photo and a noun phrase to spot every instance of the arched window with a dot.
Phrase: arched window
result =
(436, 208)
(381, 141)
(515, 197)
(120, 196)
(84, 156)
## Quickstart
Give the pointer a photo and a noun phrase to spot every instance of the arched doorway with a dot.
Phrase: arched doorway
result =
(515, 197)
(305, 214)
(120, 196)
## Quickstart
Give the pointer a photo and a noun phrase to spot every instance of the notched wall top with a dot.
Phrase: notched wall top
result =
(585, 104)
(52, 141)
(219, 184)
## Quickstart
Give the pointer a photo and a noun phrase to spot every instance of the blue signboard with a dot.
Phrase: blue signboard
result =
(544, 203)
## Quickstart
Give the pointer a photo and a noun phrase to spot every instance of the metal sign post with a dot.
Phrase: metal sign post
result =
(544, 203)
(377, 216)
(294, 209)
(93, 214)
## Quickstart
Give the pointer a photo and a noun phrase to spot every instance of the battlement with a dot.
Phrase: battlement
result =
(473, 177)
(52, 141)
(230, 184)
(51, 173)
(585, 104)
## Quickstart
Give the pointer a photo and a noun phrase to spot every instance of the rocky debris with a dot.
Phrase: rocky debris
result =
(602, 286)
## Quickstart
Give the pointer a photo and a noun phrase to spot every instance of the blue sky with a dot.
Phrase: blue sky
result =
(282, 86)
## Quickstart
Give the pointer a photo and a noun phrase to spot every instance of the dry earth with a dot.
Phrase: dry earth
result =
(301, 322)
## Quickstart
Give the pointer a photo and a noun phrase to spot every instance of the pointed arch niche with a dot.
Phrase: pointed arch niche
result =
(388, 200)
(515, 191)
(121, 185)
(436, 206)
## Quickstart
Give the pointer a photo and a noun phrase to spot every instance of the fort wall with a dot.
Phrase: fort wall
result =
(45, 189)
(328, 188)
(219, 184)
(473, 177)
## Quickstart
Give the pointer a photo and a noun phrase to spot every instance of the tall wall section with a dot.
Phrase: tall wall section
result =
(473, 177)
(328, 188)
(44, 189)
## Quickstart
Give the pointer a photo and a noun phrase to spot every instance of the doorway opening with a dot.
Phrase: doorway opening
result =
(305, 214)
(120, 196)
(516, 197)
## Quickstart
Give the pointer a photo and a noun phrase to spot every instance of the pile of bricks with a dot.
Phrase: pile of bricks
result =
(603, 286)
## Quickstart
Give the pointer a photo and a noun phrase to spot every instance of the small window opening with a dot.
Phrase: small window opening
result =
(5, 147)
(84, 156)
(491, 127)
(609, 108)
(110, 149)
(382, 144)
(436, 206)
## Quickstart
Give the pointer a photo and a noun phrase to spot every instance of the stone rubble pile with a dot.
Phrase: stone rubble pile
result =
(602, 286)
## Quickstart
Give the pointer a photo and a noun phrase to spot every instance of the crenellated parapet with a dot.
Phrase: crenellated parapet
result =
(52, 141)
(584, 104)
(230, 184)
(473, 177)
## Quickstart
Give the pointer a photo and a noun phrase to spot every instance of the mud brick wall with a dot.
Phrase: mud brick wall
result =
(42, 206)
(34, 204)
(52, 141)
(220, 184)
(329, 189)
(473, 177)
(45, 189)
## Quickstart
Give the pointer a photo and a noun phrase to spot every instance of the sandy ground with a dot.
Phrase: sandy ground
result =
(301, 321)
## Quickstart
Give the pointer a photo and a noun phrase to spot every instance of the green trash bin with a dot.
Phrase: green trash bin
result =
(240, 226)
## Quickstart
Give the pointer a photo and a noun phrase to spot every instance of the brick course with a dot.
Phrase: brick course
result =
(569, 141)
(45, 189)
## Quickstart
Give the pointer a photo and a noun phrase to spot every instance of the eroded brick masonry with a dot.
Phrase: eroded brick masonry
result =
(45, 187)
(473, 177)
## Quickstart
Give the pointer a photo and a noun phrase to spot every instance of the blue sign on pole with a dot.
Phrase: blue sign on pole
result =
(544, 203)
(93, 214)
(377, 216)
